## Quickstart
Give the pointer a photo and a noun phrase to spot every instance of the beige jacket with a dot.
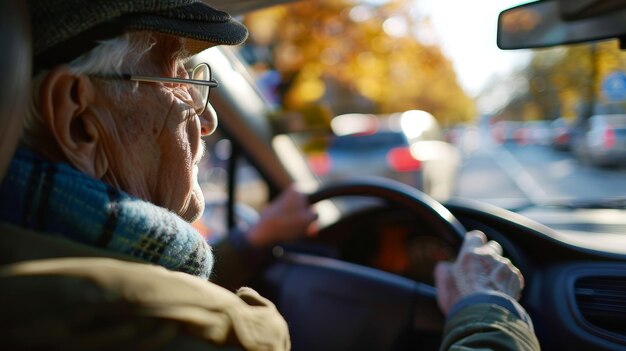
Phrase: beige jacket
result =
(93, 303)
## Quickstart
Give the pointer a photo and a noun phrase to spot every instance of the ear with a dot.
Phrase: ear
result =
(66, 101)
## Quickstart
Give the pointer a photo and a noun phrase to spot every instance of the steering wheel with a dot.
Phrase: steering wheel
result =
(402, 195)
(336, 305)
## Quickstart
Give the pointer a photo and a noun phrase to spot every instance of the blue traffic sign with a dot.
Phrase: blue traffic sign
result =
(614, 86)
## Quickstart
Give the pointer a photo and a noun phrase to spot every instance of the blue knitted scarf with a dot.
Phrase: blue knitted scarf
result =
(58, 200)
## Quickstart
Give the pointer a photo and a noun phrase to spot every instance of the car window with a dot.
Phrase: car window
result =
(214, 176)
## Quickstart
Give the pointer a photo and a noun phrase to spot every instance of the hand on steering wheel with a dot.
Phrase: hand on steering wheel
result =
(479, 267)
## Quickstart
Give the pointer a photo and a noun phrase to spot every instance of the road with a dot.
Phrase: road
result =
(534, 172)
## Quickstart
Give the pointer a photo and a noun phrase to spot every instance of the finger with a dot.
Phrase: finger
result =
(500, 273)
(495, 246)
(507, 278)
(473, 240)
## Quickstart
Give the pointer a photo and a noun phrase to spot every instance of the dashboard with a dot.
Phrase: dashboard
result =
(575, 293)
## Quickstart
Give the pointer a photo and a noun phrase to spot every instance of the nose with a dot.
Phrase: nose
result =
(208, 121)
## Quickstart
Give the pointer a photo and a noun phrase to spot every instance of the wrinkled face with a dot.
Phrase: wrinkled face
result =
(155, 146)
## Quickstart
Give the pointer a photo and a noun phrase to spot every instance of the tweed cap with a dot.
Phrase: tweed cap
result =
(65, 29)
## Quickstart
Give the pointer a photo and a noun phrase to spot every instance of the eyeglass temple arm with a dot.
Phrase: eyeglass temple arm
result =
(209, 83)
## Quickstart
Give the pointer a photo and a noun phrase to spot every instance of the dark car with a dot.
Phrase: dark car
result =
(379, 153)
(407, 147)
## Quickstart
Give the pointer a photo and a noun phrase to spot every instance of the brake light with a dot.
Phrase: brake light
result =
(400, 159)
(609, 137)
(521, 136)
(319, 163)
(562, 136)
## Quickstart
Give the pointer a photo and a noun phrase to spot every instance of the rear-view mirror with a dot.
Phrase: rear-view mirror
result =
(554, 22)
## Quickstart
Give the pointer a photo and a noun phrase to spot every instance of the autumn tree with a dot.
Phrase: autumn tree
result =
(359, 58)
(567, 81)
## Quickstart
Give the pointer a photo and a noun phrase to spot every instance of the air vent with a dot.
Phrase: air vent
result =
(602, 302)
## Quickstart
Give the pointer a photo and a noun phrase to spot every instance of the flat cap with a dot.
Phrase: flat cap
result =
(65, 29)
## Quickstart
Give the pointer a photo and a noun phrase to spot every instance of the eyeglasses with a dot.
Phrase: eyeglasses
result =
(200, 83)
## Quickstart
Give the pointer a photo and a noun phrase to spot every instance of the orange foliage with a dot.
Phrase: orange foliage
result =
(338, 53)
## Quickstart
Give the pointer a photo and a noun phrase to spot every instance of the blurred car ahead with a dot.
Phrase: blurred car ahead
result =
(535, 133)
(507, 132)
(604, 143)
(522, 133)
(561, 134)
(363, 144)
(406, 147)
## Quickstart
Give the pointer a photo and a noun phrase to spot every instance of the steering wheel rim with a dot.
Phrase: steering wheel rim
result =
(447, 226)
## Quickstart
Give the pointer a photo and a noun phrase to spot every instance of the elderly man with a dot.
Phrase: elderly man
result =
(95, 303)
(112, 139)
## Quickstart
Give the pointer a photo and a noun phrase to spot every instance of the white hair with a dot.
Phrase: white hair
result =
(113, 56)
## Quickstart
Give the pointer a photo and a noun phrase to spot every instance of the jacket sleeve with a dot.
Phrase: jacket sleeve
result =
(489, 322)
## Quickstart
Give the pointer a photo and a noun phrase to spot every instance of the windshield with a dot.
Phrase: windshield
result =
(513, 128)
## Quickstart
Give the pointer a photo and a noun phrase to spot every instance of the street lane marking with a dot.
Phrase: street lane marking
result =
(516, 171)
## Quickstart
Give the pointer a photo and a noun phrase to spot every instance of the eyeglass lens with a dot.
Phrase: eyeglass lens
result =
(201, 72)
